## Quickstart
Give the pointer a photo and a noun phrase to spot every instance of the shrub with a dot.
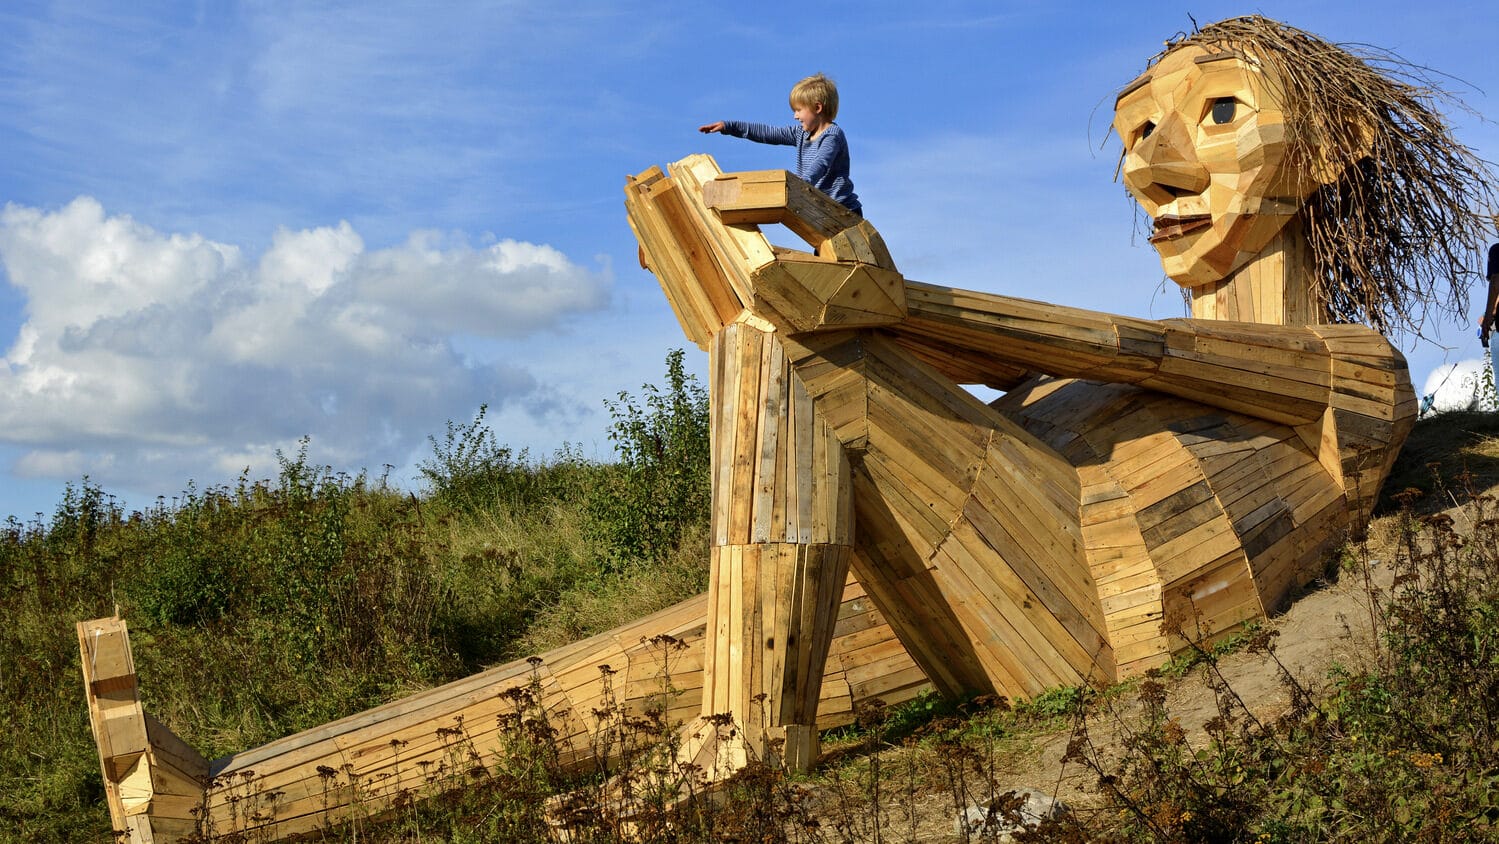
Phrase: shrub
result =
(660, 486)
(470, 472)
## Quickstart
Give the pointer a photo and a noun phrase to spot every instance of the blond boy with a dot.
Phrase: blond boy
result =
(821, 147)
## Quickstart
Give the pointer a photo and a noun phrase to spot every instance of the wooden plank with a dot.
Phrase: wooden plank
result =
(841, 399)
(181, 759)
(773, 376)
(798, 453)
(903, 460)
(443, 700)
(749, 349)
(1110, 541)
(693, 323)
(784, 294)
(403, 753)
(909, 602)
(1046, 529)
(374, 750)
(738, 695)
(793, 593)
(1140, 628)
(1037, 579)
(1130, 580)
(1218, 599)
(784, 590)
(841, 531)
(870, 296)
(709, 280)
(1180, 558)
(809, 562)
(921, 525)
(1192, 503)
(949, 450)
(1297, 558)
(1290, 346)
(812, 456)
(1264, 403)
(891, 368)
(768, 641)
(724, 412)
(1020, 643)
(716, 671)
(745, 247)
(1182, 377)
(1371, 407)
(783, 510)
(962, 365)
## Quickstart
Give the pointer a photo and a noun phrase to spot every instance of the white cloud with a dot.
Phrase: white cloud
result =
(148, 358)
(52, 463)
(433, 280)
(1457, 386)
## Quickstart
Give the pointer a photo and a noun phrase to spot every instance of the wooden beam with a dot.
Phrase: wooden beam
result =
(154, 782)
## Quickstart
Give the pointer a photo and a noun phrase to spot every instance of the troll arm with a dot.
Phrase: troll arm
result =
(1273, 372)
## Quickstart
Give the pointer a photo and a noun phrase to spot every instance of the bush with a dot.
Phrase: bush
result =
(660, 487)
(53, 572)
(470, 472)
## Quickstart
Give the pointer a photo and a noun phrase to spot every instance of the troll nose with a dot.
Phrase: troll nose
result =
(1164, 166)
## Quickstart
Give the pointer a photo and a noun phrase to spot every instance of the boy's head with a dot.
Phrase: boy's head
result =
(814, 90)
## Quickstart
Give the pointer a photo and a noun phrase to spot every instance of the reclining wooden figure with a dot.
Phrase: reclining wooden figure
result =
(1139, 482)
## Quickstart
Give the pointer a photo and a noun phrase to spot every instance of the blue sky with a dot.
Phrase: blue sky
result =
(228, 225)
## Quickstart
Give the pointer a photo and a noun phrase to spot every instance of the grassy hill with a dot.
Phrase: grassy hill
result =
(272, 606)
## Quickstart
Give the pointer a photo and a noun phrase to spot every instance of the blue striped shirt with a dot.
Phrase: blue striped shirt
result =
(821, 161)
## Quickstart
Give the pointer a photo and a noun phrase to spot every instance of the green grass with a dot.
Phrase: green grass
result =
(269, 607)
(1439, 451)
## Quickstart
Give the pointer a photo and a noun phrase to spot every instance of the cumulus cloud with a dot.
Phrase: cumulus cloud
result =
(148, 358)
(1457, 386)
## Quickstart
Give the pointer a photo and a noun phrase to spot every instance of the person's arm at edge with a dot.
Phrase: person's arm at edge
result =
(1490, 315)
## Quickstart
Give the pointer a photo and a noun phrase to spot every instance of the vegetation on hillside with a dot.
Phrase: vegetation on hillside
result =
(268, 607)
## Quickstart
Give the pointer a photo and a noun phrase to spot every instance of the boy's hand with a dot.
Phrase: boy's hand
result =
(1485, 327)
(710, 128)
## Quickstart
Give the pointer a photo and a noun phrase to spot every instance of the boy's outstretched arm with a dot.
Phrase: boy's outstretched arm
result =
(758, 132)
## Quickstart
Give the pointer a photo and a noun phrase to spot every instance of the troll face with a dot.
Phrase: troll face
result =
(1207, 154)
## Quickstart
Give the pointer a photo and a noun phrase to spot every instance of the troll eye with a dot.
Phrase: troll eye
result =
(1224, 109)
(1146, 129)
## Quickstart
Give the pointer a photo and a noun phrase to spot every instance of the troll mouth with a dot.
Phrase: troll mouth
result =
(1168, 226)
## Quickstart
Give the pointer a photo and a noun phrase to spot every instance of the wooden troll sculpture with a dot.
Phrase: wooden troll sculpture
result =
(1140, 481)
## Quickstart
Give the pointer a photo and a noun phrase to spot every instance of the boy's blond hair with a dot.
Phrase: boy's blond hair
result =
(816, 89)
